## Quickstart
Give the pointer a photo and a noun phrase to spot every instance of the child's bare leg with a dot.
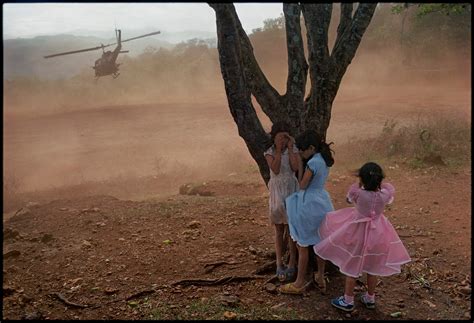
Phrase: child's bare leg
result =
(349, 288)
(321, 266)
(302, 264)
(371, 283)
(279, 229)
(293, 253)
(320, 274)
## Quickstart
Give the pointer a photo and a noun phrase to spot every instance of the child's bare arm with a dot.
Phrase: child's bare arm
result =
(293, 156)
(296, 164)
(300, 168)
(308, 174)
(274, 162)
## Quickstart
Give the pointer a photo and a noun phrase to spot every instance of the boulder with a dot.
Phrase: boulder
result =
(195, 189)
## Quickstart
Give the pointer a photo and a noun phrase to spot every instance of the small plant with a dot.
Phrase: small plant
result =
(159, 166)
(212, 309)
(389, 127)
(429, 141)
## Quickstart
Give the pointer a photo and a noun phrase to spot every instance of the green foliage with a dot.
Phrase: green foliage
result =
(274, 23)
(271, 25)
(425, 33)
(191, 69)
(444, 8)
(213, 310)
(429, 8)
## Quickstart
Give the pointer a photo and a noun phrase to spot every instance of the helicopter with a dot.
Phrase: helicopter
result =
(106, 64)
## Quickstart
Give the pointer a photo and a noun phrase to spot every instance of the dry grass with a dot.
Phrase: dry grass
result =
(435, 140)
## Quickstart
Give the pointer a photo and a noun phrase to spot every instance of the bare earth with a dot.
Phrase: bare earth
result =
(109, 237)
(101, 252)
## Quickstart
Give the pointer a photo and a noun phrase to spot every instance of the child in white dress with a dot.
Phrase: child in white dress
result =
(283, 160)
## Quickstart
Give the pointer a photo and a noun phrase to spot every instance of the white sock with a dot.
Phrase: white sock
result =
(370, 298)
(349, 300)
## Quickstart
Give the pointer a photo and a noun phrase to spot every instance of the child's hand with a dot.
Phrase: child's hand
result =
(291, 143)
(280, 141)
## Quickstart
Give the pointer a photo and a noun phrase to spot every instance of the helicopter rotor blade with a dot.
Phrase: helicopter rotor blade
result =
(99, 47)
(146, 35)
(78, 51)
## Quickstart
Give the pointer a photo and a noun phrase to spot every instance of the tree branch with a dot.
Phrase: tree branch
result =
(238, 90)
(344, 51)
(317, 105)
(297, 65)
(317, 18)
(268, 98)
(344, 22)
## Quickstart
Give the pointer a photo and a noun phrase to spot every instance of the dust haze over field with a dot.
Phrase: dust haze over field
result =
(165, 120)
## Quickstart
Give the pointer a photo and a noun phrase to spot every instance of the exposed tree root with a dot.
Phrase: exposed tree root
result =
(62, 298)
(271, 280)
(214, 265)
(211, 282)
(269, 266)
(140, 293)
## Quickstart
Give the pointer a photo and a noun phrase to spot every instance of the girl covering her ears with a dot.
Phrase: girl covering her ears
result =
(307, 207)
(283, 160)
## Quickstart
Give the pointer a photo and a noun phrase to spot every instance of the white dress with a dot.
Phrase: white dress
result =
(281, 186)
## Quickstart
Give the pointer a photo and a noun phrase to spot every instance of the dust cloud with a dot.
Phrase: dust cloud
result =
(160, 124)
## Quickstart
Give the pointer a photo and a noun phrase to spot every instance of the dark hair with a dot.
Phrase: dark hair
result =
(371, 176)
(279, 127)
(312, 138)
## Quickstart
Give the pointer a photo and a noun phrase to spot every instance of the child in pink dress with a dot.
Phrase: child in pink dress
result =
(360, 239)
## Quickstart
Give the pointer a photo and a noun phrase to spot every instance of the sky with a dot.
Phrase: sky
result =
(25, 20)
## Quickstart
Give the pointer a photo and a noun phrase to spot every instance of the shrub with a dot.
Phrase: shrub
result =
(437, 140)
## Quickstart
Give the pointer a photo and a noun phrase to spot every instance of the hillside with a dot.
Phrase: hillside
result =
(23, 57)
(136, 197)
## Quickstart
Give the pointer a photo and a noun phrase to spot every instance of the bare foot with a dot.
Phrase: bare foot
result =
(320, 282)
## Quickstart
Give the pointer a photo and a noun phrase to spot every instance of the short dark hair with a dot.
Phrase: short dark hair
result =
(371, 176)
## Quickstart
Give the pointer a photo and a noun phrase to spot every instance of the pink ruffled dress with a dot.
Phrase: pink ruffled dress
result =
(361, 239)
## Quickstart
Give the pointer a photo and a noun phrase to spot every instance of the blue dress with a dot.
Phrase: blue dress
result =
(307, 208)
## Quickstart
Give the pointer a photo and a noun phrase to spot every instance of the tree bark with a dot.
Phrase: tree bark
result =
(237, 88)
(318, 104)
(244, 78)
(293, 100)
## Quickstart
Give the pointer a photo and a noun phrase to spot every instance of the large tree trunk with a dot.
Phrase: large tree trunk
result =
(244, 78)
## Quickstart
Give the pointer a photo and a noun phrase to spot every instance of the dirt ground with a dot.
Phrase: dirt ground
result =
(100, 231)
(118, 259)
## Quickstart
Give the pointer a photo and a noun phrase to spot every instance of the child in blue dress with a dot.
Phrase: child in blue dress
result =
(307, 207)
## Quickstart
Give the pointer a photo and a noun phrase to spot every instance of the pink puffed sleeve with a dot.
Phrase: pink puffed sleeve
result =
(388, 192)
(353, 193)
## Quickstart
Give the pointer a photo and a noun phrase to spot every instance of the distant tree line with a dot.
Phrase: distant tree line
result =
(190, 70)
